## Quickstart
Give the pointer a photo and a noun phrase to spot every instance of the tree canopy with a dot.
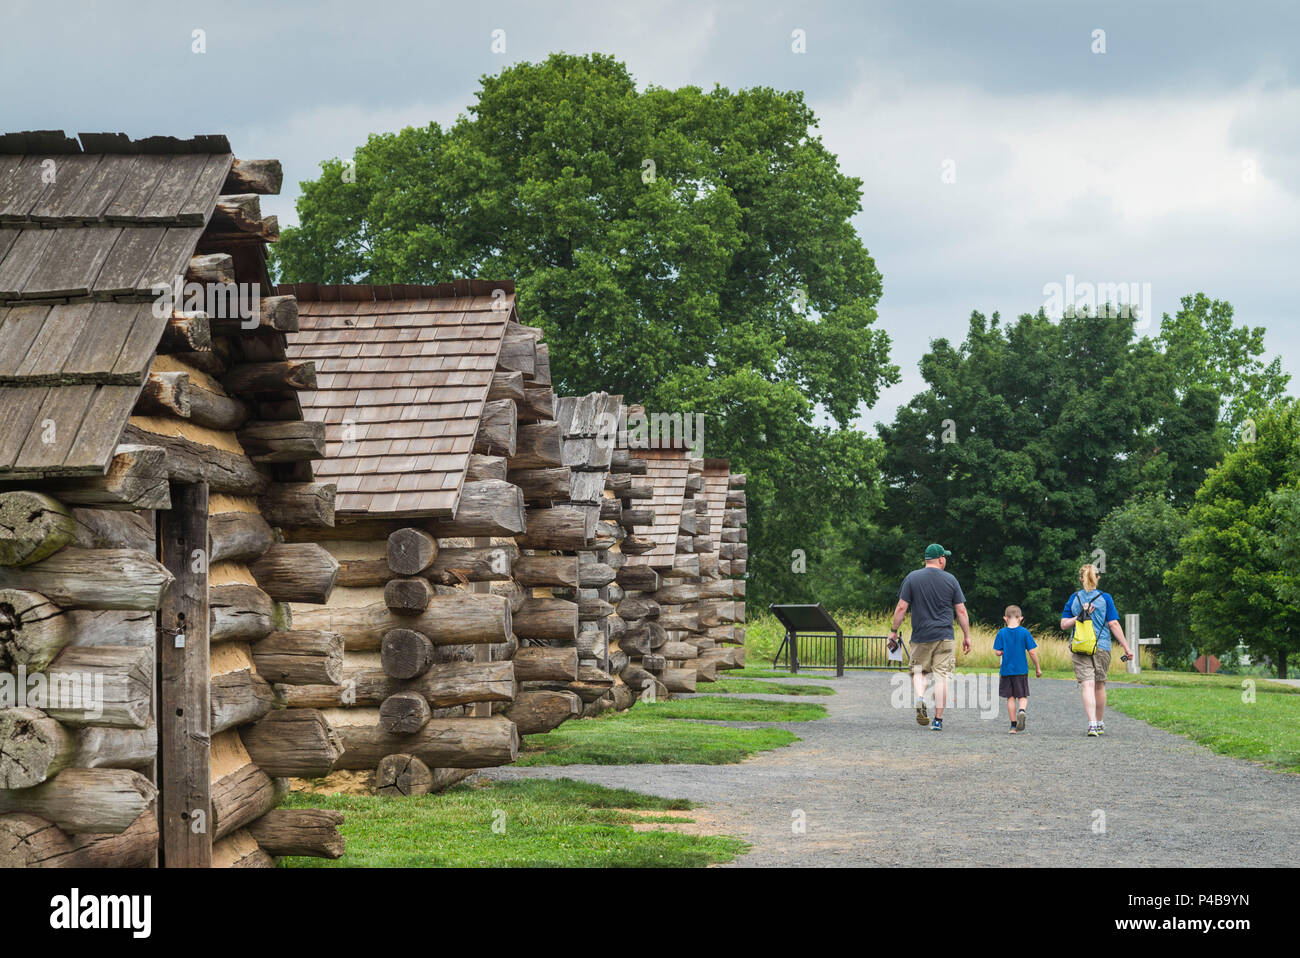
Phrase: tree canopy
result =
(689, 249)
(1141, 540)
(1031, 434)
(1235, 581)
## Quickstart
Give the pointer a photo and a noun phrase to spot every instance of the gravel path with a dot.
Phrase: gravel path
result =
(874, 788)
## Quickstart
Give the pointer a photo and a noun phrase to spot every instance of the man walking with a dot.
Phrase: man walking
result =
(932, 595)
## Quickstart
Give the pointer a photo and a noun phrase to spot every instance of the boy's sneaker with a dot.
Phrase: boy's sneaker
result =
(922, 717)
(1020, 721)
(1092, 731)
(1101, 728)
(937, 726)
(1013, 728)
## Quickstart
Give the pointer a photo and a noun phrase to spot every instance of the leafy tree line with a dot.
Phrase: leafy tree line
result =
(1041, 445)
(1238, 578)
(690, 249)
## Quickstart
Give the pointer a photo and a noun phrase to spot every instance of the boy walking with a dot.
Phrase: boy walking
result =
(1011, 643)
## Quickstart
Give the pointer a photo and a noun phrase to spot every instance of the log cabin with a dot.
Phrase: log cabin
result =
(695, 597)
(724, 510)
(152, 445)
(477, 526)
(440, 435)
(589, 429)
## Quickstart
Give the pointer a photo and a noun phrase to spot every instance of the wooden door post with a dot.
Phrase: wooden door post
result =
(184, 696)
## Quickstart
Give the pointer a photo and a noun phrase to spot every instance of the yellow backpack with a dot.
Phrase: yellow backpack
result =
(1084, 638)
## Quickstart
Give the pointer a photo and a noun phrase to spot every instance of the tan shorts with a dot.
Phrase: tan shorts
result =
(1091, 668)
(937, 657)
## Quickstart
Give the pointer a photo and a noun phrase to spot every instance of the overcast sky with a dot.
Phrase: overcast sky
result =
(1171, 159)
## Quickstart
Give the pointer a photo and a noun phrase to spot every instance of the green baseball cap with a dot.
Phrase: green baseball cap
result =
(936, 551)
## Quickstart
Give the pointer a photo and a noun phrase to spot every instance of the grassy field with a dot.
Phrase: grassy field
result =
(748, 686)
(1197, 680)
(763, 635)
(1214, 714)
(653, 734)
(526, 823)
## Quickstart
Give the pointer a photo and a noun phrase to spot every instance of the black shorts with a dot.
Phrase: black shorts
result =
(1014, 687)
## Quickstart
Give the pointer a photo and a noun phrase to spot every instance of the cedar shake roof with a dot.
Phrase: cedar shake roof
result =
(666, 471)
(86, 230)
(404, 371)
(717, 478)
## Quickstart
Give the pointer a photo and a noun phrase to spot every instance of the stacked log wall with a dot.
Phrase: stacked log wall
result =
(76, 777)
(218, 412)
(429, 608)
(723, 584)
(586, 564)
(681, 553)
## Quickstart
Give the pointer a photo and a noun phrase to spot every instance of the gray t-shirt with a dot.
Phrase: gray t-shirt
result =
(930, 594)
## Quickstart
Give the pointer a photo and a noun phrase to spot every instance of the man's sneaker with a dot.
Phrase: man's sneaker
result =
(1092, 731)
(1020, 721)
(937, 726)
(922, 717)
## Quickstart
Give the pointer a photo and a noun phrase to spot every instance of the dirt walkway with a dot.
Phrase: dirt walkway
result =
(871, 787)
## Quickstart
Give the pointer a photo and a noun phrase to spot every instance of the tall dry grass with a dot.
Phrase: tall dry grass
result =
(763, 635)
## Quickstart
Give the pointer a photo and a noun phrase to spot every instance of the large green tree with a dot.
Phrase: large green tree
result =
(1235, 582)
(1038, 443)
(1029, 435)
(1140, 541)
(1220, 382)
(689, 249)
(1210, 352)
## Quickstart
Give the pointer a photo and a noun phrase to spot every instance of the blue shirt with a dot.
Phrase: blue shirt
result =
(1074, 608)
(1014, 643)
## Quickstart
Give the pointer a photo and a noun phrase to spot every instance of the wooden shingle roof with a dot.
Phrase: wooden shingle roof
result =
(666, 472)
(87, 230)
(402, 373)
(717, 476)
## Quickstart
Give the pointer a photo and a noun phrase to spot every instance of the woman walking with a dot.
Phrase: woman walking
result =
(1097, 608)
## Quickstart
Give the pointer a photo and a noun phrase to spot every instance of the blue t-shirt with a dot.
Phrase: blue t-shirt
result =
(1014, 643)
(1074, 607)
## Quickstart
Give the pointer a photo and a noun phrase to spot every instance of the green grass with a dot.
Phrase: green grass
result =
(1266, 730)
(714, 708)
(1197, 680)
(747, 686)
(652, 734)
(539, 823)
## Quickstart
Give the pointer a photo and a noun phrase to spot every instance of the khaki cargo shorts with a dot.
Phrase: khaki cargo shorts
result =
(1093, 667)
(937, 657)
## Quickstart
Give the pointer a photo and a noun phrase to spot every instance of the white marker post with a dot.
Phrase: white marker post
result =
(1132, 629)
